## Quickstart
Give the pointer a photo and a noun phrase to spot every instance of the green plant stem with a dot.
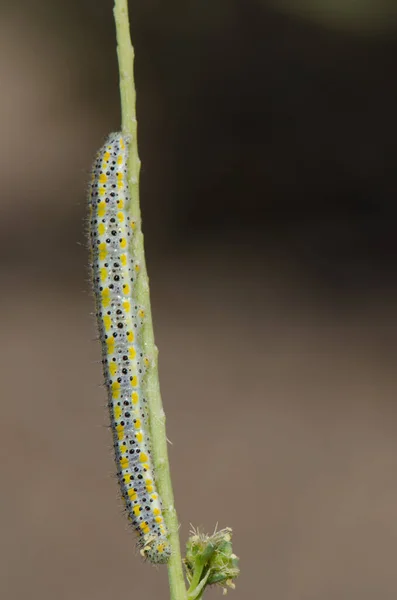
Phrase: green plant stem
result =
(196, 592)
(125, 53)
(196, 588)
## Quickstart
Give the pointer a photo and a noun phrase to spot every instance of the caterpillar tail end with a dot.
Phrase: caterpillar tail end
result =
(157, 550)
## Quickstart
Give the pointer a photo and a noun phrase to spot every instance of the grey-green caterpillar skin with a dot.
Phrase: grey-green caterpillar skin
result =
(124, 364)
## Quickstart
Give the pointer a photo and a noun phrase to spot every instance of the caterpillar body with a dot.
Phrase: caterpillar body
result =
(120, 318)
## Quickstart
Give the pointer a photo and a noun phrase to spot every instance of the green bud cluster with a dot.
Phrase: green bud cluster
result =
(210, 560)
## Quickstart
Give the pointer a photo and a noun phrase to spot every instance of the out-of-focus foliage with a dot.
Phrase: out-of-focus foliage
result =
(365, 16)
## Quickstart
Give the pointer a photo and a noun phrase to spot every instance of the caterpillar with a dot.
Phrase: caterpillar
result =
(120, 317)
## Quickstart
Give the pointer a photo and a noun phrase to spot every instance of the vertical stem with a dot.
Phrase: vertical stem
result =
(125, 53)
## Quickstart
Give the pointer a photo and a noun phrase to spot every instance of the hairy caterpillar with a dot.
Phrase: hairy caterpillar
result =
(124, 364)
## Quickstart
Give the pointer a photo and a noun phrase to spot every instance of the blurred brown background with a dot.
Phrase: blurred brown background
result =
(267, 135)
